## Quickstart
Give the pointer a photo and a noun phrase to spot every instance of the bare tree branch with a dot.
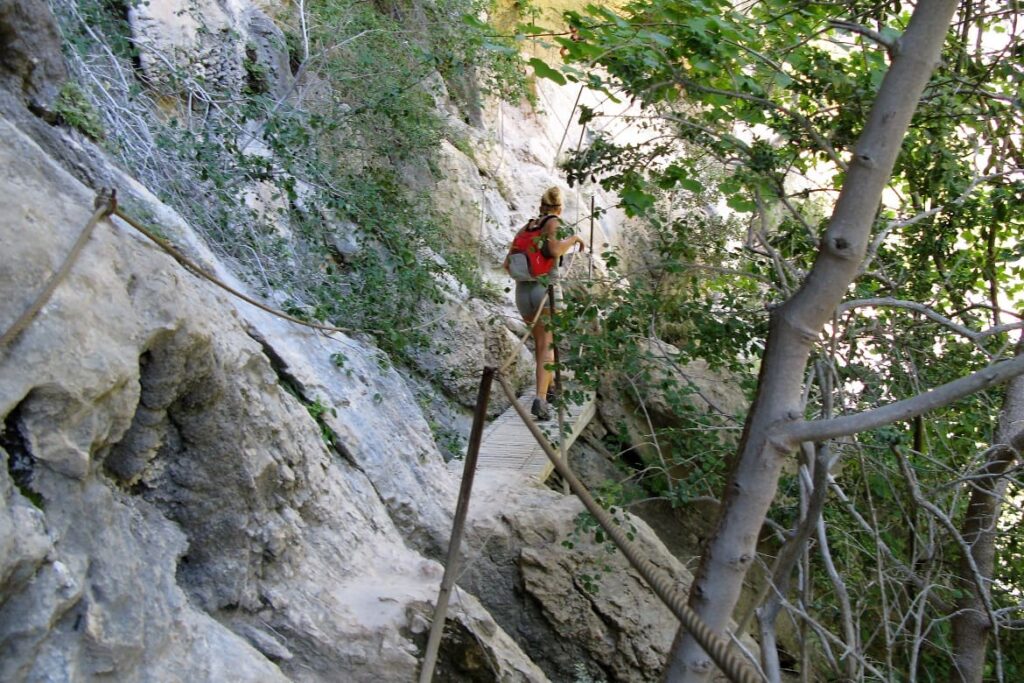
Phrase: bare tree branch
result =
(825, 634)
(907, 572)
(975, 618)
(791, 433)
(891, 46)
(843, 595)
(654, 435)
(789, 555)
(889, 302)
(907, 222)
(977, 577)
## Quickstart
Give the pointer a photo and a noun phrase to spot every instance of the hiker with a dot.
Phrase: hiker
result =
(537, 246)
(574, 36)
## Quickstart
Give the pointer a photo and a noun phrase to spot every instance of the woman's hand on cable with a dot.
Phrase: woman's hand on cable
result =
(583, 245)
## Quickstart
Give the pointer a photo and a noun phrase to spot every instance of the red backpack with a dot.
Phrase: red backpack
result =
(528, 242)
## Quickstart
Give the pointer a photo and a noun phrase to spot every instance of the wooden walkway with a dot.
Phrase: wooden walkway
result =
(508, 446)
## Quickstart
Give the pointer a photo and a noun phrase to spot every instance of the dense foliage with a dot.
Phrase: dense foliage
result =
(307, 190)
(751, 111)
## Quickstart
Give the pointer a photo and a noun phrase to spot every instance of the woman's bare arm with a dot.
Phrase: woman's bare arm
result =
(557, 247)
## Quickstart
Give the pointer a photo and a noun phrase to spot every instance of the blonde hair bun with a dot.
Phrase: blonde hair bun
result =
(553, 197)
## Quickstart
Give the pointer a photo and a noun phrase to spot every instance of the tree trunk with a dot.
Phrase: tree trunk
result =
(971, 625)
(795, 327)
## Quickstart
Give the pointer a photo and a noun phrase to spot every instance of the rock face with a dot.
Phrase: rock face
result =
(712, 390)
(514, 161)
(226, 45)
(30, 52)
(582, 605)
(195, 490)
(471, 335)
(490, 186)
(709, 392)
(169, 507)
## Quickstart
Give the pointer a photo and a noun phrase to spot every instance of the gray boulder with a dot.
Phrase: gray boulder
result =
(170, 508)
(221, 45)
(31, 61)
(569, 599)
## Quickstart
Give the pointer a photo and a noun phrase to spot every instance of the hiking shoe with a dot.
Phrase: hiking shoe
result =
(540, 410)
(550, 398)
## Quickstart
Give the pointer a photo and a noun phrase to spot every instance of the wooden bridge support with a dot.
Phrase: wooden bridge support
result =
(458, 524)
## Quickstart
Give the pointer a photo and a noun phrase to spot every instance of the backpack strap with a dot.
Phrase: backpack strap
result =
(540, 226)
(538, 223)
(543, 221)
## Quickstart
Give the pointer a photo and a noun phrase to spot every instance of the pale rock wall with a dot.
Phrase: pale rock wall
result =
(489, 194)
(641, 404)
(170, 510)
(189, 522)
(535, 586)
(32, 60)
(209, 41)
(470, 335)
(497, 189)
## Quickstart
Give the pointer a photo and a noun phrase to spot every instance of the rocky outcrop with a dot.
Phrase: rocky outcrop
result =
(652, 398)
(710, 390)
(497, 188)
(224, 45)
(30, 52)
(170, 507)
(469, 335)
(193, 489)
(570, 599)
(490, 185)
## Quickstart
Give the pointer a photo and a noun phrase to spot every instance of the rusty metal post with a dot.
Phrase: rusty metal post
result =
(558, 392)
(458, 523)
(554, 346)
(590, 273)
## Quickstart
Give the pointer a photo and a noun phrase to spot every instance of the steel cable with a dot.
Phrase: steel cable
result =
(105, 204)
(735, 667)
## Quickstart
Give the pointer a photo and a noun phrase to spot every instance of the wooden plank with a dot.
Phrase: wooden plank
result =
(508, 445)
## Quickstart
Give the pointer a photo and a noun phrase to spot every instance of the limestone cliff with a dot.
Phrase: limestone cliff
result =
(161, 479)
(194, 489)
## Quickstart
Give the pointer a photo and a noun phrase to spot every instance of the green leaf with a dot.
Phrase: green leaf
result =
(698, 25)
(531, 29)
(691, 185)
(473, 21)
(636, 201)
(658, 38)
(500, 49)
(890, 34)
(741, 204)
(782, 79)
(544, 71)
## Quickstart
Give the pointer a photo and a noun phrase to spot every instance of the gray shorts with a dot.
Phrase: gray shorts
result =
(528, 298)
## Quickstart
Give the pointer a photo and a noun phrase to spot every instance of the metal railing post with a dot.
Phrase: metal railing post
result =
(458, 523)
(590, 273)
(558, 386)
